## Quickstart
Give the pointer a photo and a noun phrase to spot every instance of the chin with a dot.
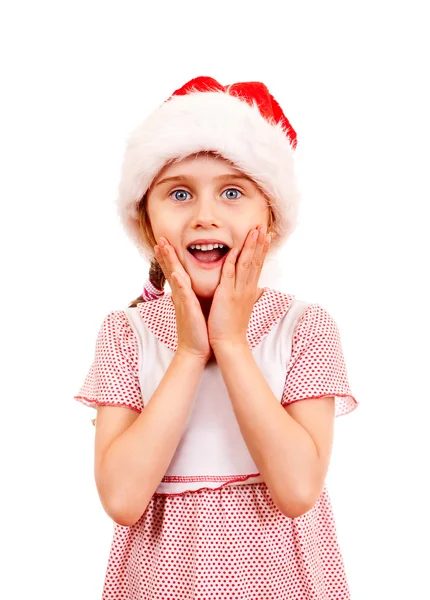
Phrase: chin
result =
(204, 289)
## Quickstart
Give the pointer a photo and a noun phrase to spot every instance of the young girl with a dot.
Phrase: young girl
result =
(216, 401)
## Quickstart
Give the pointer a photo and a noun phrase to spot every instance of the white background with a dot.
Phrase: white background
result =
(353, 79)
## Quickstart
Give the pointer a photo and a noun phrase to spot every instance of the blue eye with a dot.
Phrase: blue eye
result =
(235, 191)
(180, 195)
(177, 194)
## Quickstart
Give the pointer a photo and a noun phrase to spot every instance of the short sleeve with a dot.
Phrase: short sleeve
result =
(113, 378)
(317, 366)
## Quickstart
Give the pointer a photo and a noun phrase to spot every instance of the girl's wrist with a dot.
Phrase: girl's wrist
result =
(191, 356)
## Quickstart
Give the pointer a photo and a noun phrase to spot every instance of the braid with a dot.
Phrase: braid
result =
(156, 275)
(154, 285)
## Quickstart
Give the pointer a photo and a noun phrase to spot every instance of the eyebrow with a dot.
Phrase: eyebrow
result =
(218, 177)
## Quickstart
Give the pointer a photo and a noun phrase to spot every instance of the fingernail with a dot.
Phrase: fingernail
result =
(161, 242)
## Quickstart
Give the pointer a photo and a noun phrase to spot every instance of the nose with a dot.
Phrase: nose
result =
(206, 211)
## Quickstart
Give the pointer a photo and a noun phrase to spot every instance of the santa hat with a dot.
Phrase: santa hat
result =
(241, 122)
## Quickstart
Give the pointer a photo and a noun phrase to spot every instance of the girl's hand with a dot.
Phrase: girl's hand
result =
(235, 295)
(190, 321)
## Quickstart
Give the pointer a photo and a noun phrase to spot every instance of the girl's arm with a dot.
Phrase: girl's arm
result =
(137, 460)
(292, 457)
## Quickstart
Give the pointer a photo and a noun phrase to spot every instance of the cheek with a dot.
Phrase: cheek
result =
(161, 228)
(242, 233)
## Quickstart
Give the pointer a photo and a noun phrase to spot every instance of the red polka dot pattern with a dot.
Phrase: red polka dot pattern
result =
(231, 542)
(113, 377)
(317, 365)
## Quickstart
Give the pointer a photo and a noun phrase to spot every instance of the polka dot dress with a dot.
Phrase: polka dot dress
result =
(231, 542)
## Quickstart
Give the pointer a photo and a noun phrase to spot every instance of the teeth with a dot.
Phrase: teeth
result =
(206, 247)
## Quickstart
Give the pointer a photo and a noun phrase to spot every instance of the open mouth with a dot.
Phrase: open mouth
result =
(214, 253)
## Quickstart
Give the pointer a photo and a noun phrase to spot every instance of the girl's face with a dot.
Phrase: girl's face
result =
(204, 197)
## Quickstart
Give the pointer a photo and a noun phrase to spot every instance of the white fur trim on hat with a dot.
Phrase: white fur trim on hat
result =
(210, 121)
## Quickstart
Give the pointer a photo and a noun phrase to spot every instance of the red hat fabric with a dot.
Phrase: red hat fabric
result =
(241, 122)
(251, 92)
